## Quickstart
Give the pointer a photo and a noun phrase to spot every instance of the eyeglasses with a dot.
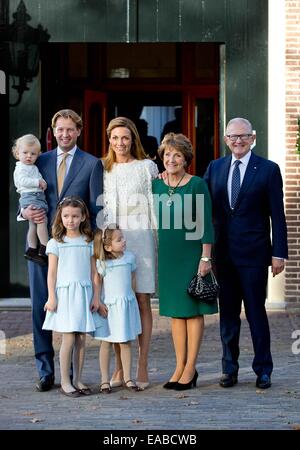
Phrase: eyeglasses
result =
(234, 137)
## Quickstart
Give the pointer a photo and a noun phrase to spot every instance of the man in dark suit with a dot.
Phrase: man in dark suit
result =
(246, 196)
(82, 176)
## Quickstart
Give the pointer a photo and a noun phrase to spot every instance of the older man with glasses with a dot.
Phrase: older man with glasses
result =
(247, 199)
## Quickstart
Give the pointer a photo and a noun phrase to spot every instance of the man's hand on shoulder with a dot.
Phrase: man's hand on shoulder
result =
(163, 175)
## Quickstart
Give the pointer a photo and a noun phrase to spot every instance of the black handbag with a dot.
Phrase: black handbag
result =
(205, 288)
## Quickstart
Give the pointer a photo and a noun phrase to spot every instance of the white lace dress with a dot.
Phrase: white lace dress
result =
(128, 202)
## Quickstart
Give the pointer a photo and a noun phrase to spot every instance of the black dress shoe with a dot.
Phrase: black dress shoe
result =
(263, 382)
(32, 255)
(72, 394)
(189, 385)
(170, 384)
(45, 383)
(228, 380)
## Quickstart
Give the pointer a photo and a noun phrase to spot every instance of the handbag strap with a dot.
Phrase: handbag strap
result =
(213, 277)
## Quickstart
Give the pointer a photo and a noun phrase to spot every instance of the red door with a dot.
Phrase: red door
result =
(95, 123)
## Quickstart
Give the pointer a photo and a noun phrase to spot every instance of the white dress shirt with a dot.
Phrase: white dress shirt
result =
(242, 167)
(69, 159)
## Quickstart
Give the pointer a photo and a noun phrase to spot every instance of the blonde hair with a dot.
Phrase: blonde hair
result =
(58, 229)
(103, 238)
(67, 114)
(179, 142)
(137, 150)
(28, 139)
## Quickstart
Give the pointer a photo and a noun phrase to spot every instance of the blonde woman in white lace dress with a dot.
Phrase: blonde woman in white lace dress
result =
(128, 198)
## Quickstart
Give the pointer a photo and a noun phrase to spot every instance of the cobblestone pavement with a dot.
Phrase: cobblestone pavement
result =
(209, 407)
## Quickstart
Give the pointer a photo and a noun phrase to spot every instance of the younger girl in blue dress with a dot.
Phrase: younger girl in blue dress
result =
(70, 275)
(119, 318)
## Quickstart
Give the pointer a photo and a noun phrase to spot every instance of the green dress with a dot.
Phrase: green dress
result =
(182, 228)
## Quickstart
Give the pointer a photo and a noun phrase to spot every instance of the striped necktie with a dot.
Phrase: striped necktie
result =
(235, 183)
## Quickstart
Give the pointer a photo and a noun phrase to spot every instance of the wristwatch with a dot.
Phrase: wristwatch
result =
(205, 258)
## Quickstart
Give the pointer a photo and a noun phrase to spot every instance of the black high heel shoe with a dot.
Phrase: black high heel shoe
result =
(170, 385)
(189, 385)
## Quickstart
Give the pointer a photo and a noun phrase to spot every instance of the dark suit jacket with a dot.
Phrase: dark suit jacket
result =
(84, 178)
(243, 234)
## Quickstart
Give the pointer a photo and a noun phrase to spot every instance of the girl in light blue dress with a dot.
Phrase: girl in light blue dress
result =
(70, 274)
(118, 318)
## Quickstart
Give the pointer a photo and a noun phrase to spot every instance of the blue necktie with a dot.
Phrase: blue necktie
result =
(235, 183)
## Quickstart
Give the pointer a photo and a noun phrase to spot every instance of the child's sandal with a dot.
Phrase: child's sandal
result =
(134, 387)
(105, 390)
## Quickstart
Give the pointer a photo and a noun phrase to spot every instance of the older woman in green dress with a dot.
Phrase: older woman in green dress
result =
(185, 235)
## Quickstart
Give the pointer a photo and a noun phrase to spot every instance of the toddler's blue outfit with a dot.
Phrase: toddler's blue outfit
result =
(26, 179)
(123, 322)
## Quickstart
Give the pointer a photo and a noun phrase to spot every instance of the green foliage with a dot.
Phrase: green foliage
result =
(298, 137)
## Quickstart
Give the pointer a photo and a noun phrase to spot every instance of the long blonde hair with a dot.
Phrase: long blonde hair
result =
(137, 150)
(103, 238)
(58, 229)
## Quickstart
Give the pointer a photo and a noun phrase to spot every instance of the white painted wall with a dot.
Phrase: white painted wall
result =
(276, 117)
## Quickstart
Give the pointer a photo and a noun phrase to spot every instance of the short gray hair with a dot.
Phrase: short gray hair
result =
(240, 119)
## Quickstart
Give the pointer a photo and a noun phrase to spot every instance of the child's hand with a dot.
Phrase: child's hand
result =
(95, 305)
(42, 184)
(50, 305)
(103, 310)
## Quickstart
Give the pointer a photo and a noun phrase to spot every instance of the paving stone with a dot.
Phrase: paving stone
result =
(208, 407)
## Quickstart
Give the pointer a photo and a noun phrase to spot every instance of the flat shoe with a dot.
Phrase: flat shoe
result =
(142, 384)
(85, 391)
(134, 386)
(106, 390)
(72, 394)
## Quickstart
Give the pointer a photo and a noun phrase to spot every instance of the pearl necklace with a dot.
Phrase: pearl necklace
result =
(172, 190)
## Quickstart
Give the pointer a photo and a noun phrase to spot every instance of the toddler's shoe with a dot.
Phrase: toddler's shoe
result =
(32, 255)
(42, 254)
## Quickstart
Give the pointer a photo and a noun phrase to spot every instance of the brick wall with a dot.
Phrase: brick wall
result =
(292, 177)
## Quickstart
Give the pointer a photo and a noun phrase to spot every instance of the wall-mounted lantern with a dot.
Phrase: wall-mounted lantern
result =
(22, 51)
